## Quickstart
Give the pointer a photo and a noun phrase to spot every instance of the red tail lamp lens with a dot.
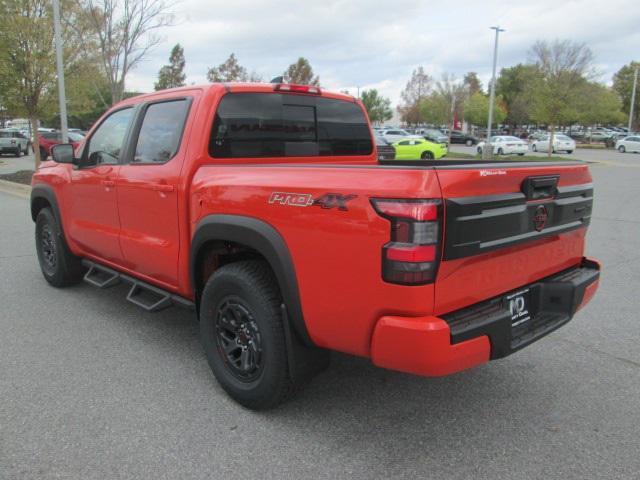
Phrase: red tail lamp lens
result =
(412, 255)
(420, 210)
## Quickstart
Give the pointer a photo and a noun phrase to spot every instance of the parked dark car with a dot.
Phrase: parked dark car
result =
(460, 137)
(386, 151)
(435, 136)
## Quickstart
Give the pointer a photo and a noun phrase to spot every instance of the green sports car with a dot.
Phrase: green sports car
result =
(419, 149)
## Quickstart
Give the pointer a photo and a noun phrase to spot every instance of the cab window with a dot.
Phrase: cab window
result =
(250, 125)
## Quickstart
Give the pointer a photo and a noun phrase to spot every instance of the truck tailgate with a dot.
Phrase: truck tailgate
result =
(507, 225)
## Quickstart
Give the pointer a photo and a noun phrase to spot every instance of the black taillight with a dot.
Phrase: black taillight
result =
(413, 254)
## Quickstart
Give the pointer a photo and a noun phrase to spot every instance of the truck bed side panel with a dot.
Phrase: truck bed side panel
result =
(336, 253)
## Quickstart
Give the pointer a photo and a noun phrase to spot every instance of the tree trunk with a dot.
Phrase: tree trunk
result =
(551, 137)
(36, 142)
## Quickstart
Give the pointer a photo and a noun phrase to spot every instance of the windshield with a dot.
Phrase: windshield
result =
(6, 134)
(562, 137)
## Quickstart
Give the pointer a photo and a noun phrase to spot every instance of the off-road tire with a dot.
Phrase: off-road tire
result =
(59, 266)
(252, 285)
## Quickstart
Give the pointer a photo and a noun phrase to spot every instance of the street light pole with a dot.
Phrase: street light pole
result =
(633, 98)
(487, 151)
(60, 69)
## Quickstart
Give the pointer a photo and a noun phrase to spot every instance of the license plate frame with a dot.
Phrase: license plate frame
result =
(518, 304)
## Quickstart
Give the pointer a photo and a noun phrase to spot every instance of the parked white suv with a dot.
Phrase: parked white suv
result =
(13, 141)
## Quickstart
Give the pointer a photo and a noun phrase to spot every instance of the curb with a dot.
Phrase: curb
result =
(17, 189)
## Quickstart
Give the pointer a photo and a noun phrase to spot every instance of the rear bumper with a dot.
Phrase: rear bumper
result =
(436, 346)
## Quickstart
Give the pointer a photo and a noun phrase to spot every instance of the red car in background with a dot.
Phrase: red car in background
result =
(49, 139)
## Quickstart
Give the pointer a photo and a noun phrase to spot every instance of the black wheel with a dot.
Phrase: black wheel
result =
(18, 152)
(569, 152)
(43, 154)
(469, 143)
(59, 266)
(242, 332)
(479, 150)
(621, 149)
(534, 148)
(426, 156)
(26, 149)
(500, 151)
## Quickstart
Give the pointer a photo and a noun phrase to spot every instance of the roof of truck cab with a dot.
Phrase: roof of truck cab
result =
(232, 87)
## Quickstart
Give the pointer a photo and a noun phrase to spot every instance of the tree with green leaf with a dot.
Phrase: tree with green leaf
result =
(378, 107)
(512, 85)
(599, 104)
(476, 109)
(434, 109)
(562, 68)
(228, 71)
(172, 75)
(301, 73)
(27, 61)
(623, 85)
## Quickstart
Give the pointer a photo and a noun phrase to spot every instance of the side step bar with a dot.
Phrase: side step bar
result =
(142, 294)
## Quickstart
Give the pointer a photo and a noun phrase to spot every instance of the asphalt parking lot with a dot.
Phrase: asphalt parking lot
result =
(91, 387)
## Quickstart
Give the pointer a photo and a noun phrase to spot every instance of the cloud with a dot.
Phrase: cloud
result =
(377, 44)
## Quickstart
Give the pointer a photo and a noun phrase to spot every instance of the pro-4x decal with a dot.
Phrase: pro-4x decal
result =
(326, 201)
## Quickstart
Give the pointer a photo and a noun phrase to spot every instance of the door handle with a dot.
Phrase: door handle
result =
(162, 187)
(109, 183)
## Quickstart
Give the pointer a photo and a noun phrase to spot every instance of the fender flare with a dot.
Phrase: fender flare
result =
(45, 192)
(263, 238)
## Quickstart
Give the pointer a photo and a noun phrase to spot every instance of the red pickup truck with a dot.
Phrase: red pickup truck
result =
(264, 208)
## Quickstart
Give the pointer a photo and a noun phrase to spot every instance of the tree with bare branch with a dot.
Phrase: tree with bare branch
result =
(414, 94)
(121, 33)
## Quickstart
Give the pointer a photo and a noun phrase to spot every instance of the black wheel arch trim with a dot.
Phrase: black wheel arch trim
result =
(46, 192)
(263, 238)
(43, 191)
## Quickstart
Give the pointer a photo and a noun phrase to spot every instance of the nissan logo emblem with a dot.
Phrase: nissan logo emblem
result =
(540, 217)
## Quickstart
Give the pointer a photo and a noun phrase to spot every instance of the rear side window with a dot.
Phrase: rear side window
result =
(279, 125)
(161, 131)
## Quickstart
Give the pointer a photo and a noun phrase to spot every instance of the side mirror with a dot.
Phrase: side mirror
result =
(62, 153)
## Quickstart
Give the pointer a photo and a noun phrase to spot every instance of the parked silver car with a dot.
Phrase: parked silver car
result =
(396, 134)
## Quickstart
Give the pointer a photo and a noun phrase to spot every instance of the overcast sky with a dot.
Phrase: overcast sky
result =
(377, 44)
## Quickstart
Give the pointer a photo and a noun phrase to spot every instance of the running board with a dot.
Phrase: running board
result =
(142, 294)
(101, 277)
